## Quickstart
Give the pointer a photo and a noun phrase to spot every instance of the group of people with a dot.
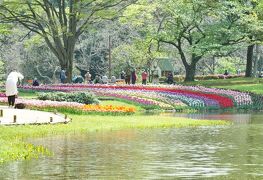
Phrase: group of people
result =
(131, 77)
(104, 80)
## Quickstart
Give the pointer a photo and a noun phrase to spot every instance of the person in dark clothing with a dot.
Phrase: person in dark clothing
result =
(133, 77)
(170, 78)
(35, 82)
(127, 79)
(97, 80)
(63, 76)
(226, 73)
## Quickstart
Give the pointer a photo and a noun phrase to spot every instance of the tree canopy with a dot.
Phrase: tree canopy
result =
(60, 22)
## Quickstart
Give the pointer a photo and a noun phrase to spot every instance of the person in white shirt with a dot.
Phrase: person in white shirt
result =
(113, 79)
(11, 86)
(88, 77)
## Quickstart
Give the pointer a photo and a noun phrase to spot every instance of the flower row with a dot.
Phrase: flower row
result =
(164, 96)
(34, 103)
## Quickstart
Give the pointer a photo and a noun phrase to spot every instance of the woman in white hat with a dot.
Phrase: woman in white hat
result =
(11, 86)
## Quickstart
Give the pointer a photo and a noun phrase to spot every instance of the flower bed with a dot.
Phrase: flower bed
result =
(108, 108)
(72, 107)
(167, 96)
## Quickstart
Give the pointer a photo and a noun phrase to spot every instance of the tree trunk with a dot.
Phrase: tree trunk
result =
(249, 65)
(256, 61)
(190, 72)
(69, 71)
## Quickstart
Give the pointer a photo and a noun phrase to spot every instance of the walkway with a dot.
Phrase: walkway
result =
(25, 116)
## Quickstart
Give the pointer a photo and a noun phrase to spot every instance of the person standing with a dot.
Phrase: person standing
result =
(155, 75)
(133, 76)
(88, 77)
(11, 86)
(62, 76)
(144, 77)
(122, 75)
(170, 78)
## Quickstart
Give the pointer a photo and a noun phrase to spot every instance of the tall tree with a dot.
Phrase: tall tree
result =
(194, 28)
(253, 23)
(60, 22)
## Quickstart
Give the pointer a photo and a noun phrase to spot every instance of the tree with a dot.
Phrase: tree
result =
(60, 22)
(252, 9)
(196, 29)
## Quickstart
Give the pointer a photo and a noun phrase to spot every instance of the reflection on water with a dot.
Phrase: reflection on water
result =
(220, 152)
(236, 118)
(240, 118)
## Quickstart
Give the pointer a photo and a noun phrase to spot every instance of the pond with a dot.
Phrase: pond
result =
(219, 152)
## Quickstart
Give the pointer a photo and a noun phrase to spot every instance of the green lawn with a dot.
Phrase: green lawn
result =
(255, 88)
(254, 85)
(13, 145)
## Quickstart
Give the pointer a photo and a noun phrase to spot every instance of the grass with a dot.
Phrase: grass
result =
(13, 145)
(254, 85)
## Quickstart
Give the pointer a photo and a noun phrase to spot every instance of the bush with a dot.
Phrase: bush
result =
(80, 97)
(180, 78)
(177, 78)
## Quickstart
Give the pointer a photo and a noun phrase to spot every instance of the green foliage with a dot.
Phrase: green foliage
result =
(127, 53)
(5, 29)
(80, 97)
(2, 71)
(232, 64)
(196, 29)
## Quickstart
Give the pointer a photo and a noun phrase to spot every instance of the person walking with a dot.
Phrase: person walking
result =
(144, 77)
(11, 86)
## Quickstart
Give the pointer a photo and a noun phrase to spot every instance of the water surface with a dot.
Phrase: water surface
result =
(221, 152)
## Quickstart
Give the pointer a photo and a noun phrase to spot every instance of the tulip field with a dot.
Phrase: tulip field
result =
(163, 97)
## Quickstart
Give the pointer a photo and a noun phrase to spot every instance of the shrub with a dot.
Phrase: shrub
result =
(177, 78)
(80, 97)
